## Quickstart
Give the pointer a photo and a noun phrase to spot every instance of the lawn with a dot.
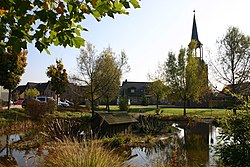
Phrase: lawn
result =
(150, 109)
(200, 112)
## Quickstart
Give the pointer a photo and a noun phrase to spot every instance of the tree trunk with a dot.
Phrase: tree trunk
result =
(107, 104)
(9, 99)
(92, 105)
(234, 105)
(157, 102)
(184, 107)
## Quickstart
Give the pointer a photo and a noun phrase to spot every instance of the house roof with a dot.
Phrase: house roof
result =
(194, 35)
(41, 86)
(113, 118)
(140, 88)
(20, 89)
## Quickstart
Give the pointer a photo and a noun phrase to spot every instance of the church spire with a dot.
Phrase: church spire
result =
(195, 33)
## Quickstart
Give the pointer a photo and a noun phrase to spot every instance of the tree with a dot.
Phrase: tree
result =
(158, 90)
(47, 22)
(109, 74)
(98, 73)
(186, 77)
(32, 93)
(12, 67)
(59, 77)
(233, 66)
(234, 142)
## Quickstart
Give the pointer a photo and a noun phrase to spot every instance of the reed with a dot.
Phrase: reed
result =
(86, 154)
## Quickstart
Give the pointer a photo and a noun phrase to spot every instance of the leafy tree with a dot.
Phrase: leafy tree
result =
(234, 141)
(109, 74)
(99, 73)
(234, 61)
(47, 22)
(32, 92)
(186, 77)
(59, 77)
(158, 90)
(12, 67)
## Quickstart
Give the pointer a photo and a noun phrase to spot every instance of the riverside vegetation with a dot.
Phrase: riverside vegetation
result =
(61, 137)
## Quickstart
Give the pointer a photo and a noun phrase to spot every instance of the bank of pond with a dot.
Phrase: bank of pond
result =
(152, 141)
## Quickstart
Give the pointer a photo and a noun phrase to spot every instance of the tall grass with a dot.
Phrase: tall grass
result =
(74, 154)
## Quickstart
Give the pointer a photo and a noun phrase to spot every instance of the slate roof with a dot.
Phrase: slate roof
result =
(140, 88)
(114, 118)
(42, 86)
(21, 89)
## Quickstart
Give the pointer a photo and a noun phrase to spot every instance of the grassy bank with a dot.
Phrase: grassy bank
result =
(199, 112)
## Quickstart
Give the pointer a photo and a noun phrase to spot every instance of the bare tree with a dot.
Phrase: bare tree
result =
(233, 66)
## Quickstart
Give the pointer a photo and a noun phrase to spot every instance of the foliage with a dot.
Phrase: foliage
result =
(47, 22)
(12, 67)
(186, 77)
(109, 74)
(144, 100)
(100, 74)
(85, 154)
(150, 125)
(158, 90)
(32, 92)
(59, 77)
(117, 140)
(233, 67)
(123, 103)
(37, 109)
(234, 144)
(70, 129)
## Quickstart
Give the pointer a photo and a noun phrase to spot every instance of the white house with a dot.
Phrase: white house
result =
(4, 94)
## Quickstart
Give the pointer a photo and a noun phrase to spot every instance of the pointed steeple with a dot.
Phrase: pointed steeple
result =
(195, 33)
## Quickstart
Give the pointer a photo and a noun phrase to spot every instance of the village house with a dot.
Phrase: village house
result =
(72, 91)
(4, 93)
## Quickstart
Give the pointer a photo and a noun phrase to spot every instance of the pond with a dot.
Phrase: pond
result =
(21, 158)
(192, 146)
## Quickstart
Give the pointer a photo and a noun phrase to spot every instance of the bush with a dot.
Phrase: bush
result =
(123, 103)
(37, 109)
(234, 144)
(51, 106)
(150, 125)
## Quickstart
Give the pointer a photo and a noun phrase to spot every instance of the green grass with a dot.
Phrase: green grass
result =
(200, 112)
(151, 109)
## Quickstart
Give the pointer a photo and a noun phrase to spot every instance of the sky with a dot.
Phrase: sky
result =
(147, 35)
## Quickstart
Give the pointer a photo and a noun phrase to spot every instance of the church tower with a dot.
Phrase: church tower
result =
(195, 37)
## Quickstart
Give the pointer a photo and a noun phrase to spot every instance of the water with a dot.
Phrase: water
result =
(195, 147)
(21, 158)
(194, 144)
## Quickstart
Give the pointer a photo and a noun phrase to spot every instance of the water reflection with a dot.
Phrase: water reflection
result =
(194, 147)
(13, 157)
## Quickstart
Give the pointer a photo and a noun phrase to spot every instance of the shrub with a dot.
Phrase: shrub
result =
(150, 124)
(117, 140)
(37, 109)
(85, 154)
(61, 129)
(51, 106)
(123, 103)
(234, 144)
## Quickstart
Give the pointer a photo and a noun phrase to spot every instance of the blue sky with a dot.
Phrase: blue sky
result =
(148, 34)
